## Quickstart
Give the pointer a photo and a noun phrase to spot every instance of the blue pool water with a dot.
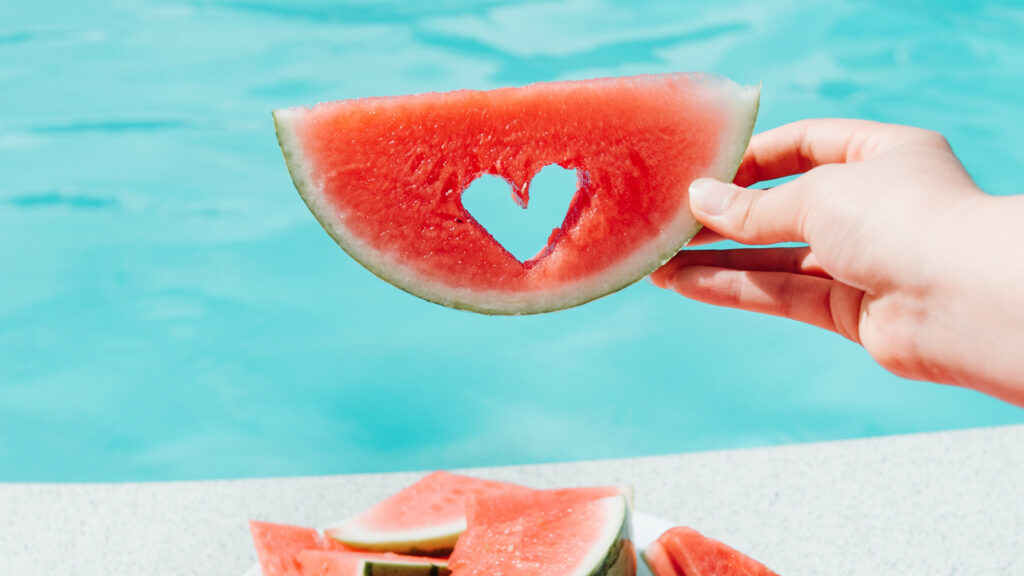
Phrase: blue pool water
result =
(169, 308)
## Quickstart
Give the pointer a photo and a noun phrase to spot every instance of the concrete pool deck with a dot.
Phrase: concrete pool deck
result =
(938, 503)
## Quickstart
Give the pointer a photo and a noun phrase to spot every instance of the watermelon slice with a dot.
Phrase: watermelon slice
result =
(385, 177)
(511, 505)
(683, 551)
(424, 518)
(278, 546)
(563, 534)
(330, 563)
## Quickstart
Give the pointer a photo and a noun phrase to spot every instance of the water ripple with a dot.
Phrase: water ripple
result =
(51, 35)
(129, 125)
(112, 125)
(532, 67)
(58, 198)
(362, 13)
(16, 37)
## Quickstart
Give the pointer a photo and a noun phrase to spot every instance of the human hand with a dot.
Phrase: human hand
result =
(905, 255)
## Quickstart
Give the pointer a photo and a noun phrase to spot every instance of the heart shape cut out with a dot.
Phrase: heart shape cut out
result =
(522, 230)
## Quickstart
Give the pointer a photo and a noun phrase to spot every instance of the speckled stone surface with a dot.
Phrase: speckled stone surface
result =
(937, 504)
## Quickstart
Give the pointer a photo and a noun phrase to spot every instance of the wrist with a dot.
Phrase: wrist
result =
(977, 333)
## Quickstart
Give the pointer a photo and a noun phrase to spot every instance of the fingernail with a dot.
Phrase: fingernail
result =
(711, 196)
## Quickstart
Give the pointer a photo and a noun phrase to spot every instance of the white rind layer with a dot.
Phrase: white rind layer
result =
(423, 540)
(614, 527)
(739, 105)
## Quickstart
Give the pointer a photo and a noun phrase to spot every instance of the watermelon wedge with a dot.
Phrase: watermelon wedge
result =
(330, 563)
(560, 534)
(424, 518)
(385, 177)
(683, 551)
(278, 546)
(512, 505)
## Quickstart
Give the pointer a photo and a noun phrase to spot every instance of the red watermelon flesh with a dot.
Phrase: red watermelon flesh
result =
(683, 551)
(502, 507)
(552, 533)
(385, 177)
(278, 546)
(332, 563)
(424, 518)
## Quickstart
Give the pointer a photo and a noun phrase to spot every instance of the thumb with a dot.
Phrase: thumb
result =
(750, 216)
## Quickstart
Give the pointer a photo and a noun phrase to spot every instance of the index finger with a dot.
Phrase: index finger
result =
(796, 148)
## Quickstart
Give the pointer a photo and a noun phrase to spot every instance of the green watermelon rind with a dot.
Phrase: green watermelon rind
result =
(384, 568)
(625, 273)
(397, 566)
(620, 558)
(613, 554)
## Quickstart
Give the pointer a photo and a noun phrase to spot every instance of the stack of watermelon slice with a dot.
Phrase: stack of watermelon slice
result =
(451, 524)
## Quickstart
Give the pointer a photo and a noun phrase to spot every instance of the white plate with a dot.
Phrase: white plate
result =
(646, 529)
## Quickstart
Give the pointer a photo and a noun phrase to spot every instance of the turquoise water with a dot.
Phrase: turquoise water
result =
(169, 308)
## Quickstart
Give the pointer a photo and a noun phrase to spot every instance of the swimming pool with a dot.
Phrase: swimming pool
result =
(169, 309)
